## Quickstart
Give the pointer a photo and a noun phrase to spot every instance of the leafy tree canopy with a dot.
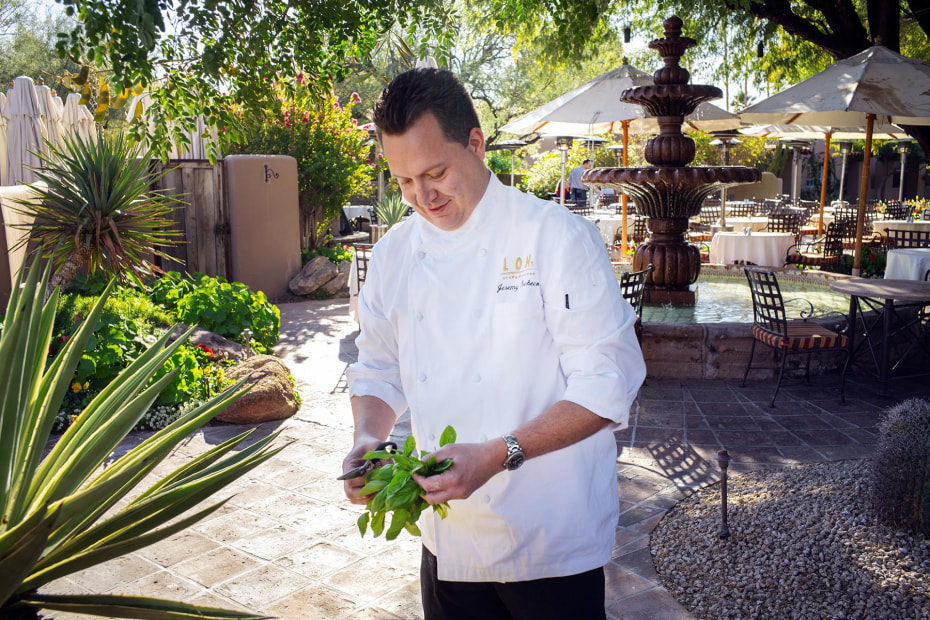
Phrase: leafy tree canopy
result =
(205, 56)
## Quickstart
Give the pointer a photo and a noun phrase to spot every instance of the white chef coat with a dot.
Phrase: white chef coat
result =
(484, 328)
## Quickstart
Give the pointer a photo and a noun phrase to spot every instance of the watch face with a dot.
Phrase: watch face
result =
(515, 460)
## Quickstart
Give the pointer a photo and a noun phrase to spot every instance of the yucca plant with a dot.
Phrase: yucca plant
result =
(64, 513)
(97, 211)
(391, 209)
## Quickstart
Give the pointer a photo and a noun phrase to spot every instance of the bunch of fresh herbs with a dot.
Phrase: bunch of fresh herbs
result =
(393, 489)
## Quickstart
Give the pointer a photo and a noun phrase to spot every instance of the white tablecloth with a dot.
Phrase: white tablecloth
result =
(767, 249)
(354, 211)
(907, 264)
(881, 225)
(609, 223)
(757, 224)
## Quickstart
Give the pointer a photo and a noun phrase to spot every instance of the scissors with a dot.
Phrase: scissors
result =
(367, 466)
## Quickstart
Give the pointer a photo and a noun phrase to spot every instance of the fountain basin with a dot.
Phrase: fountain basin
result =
(718, 347)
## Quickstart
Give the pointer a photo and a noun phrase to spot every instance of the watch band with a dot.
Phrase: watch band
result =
(515, 455)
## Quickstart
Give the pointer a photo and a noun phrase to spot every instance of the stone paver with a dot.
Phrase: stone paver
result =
(286, 544)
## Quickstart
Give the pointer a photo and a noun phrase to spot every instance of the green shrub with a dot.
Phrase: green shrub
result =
(227, 308)
(169, 289)
(901, 467)
(336, 254)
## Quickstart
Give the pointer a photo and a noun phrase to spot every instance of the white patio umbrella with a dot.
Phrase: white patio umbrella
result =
(3, 147)
(25, 132)
(595, 108)
(874, 85)
(77, 119)
(809, 132)
(50, 113)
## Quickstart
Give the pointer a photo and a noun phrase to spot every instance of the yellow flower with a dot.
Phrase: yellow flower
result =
(74, 418)
(86, 384)
(75, 387)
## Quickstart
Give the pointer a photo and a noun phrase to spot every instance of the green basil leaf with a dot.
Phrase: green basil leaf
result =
(409, 445)
(373, 486)
(398, 520)
(363, 523)
(377, 523)
(448, 436)
(413, 529)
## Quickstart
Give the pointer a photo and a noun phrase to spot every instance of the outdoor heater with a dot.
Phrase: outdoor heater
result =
(904, 147)
(724, 141)
(564, 143)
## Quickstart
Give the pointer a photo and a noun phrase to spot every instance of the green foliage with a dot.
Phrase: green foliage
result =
(97, 209)
(63, 511)
(393, 489)
(391, 209)
(227, 308)
(871, 264)
(543, 177)
(499, 161)
(335, 253)
(901, 467)
(332, 153)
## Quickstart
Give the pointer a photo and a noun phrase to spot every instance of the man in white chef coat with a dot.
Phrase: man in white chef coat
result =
(499, 314)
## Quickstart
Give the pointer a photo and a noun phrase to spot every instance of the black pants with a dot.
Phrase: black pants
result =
(579, 196)
(575, 597)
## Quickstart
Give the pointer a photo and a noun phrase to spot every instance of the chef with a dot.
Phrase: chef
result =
(498, 314)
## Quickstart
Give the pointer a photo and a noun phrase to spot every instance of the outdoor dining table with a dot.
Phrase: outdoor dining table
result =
(354, 211)
(907, 264)
(896, 304)
(608, 223)
(768, 249)
(757, 224)
(881, 225)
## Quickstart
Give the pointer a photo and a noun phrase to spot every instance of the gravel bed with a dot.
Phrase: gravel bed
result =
(803, 544)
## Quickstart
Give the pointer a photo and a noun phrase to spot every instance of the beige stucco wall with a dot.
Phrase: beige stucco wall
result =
(264, 221)
(11, 259)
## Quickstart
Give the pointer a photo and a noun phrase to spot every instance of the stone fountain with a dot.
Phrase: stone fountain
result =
(670, 192)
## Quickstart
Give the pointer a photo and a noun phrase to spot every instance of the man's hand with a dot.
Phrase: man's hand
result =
(353, 485)
(473, 464)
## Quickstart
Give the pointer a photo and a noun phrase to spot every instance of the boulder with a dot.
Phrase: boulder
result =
(339, 286)
(271, 398)
(222, 348)
(314, 275)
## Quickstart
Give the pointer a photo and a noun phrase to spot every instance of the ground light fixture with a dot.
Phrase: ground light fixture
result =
(903, 147)
(845, 148)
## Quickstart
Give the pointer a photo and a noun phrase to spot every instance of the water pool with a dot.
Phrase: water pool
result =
(722, 296)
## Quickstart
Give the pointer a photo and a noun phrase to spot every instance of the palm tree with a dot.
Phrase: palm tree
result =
(97, 211)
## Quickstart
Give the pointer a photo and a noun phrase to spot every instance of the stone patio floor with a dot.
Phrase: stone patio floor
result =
(286, 543)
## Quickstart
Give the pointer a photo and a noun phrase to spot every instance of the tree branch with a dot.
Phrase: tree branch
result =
(920, 13)
(848, 37)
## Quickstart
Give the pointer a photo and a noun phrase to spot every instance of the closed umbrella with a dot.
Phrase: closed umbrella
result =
(50, 113)
(595, 108)
(25, 132)
(875, 85)
(77, 120)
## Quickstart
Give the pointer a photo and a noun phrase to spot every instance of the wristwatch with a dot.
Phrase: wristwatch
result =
(515, 456)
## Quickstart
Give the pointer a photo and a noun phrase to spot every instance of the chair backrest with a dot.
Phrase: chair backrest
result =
(897, 238)
(632, 287)
(640, 230)
(833, 240)
(362, 253)
(741, 209)
(784, 223)
(709, 214)
(768, 307)
(895, 210)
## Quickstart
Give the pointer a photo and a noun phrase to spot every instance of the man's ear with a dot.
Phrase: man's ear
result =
(476, 142)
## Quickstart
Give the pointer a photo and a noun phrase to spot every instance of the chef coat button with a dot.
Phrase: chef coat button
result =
(432, 436)
(422, 377)
(477, 314)
(421, 254)
(484, 251)
(477, 378)
(486, 499)
(419, 316)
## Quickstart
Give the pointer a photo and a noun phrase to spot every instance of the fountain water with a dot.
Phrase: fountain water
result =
(670, 192)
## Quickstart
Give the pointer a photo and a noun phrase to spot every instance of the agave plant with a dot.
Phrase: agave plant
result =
(391, 209)
(97, 210)
(63, 512)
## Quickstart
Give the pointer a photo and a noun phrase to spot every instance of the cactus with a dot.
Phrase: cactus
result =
(901, 467)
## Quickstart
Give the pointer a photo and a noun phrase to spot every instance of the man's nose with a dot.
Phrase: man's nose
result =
(425, 193)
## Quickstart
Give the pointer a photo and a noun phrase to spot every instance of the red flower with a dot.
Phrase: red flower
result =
(355, 98)
(205, 349)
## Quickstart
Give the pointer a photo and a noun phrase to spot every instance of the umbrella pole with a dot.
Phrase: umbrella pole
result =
(511, 166)
(863, 189)
(564, 156)
(623, 199)
(823, 182)
(842, 178)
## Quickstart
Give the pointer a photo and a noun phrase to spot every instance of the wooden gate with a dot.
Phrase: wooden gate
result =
(204, 221)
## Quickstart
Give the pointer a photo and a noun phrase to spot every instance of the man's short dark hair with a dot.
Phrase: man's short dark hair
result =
(417, 91)
(587, 161)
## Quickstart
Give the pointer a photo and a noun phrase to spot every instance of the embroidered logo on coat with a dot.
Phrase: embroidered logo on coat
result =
(516, 273)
